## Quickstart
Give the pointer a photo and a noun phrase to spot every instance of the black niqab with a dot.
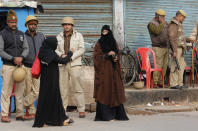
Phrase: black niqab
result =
(107, 42)
(47, 51)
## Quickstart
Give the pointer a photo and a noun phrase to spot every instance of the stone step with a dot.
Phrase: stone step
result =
(145, 96)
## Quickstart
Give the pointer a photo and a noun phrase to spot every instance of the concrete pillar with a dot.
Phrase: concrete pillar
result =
(118, 21)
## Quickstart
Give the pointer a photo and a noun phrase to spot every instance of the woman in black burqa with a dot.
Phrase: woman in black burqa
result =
(50, 110)
(108, 87)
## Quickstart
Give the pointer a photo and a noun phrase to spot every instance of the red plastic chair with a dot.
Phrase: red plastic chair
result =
(191, 70)
(194, 51)
(146, 66)
(187, 69)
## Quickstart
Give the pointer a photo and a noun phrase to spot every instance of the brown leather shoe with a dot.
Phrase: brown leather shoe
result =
(29, 117)
(32, 116)
(5, 119)
(81, 114)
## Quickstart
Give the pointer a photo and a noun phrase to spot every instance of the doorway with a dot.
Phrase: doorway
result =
(3, 17)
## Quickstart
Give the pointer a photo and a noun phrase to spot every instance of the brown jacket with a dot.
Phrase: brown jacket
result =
(159, 39)
(108, 86)
(176, 35)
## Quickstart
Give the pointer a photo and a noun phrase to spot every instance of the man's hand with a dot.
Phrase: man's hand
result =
(18, 60)
(111, 53)
(161, 19)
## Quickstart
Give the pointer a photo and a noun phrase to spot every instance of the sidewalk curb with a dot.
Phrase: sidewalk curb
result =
(138, 111)
(145, 110)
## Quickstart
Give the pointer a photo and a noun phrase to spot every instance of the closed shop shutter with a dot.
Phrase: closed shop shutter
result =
(138, 13)
(89, 16)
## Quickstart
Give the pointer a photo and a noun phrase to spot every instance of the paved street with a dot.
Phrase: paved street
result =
(183, 121)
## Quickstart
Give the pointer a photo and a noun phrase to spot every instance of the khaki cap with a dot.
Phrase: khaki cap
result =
(29, 18)
(183, 13)
(161, 12)
(68, 20)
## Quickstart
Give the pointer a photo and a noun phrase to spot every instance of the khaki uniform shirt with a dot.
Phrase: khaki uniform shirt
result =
(176, 35)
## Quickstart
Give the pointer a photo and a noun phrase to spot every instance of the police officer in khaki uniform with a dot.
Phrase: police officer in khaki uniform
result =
(158, 30)
(71, 39)
(13, 50)
(178, 43)
(35, 40)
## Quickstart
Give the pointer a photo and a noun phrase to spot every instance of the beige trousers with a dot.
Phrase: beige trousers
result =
(176, 78)
(161, 55)
(7, 91)
(68, 73)
(31, 91)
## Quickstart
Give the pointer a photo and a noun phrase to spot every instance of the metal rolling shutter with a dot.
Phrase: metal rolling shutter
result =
(89, 16)
(138, 13)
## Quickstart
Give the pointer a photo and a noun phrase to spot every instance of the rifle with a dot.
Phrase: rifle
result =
(177, 63)
(176, 60)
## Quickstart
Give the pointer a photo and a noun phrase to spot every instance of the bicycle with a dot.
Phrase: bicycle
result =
(127, 62)
(87, 58)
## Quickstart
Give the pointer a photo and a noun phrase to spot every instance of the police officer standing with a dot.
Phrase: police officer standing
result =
(71, 39)
(178, 44)
(13, 50)
(158, 30)
(35, 40)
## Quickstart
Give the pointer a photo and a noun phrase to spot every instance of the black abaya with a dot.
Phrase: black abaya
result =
(106, 113)
(50, 110)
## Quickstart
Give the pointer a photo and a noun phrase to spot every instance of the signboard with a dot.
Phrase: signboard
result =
(18, 3)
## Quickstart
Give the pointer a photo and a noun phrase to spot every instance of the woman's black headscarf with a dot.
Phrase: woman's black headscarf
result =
(107, 42)
(47, 51)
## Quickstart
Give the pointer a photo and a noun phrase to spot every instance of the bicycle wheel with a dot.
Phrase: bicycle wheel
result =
(90, 61)
(87, 61)
(84, 61)
(128, 68)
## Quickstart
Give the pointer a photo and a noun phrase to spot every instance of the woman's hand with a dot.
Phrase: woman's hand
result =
(63, 56)
(116, 59)
(111, 53)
